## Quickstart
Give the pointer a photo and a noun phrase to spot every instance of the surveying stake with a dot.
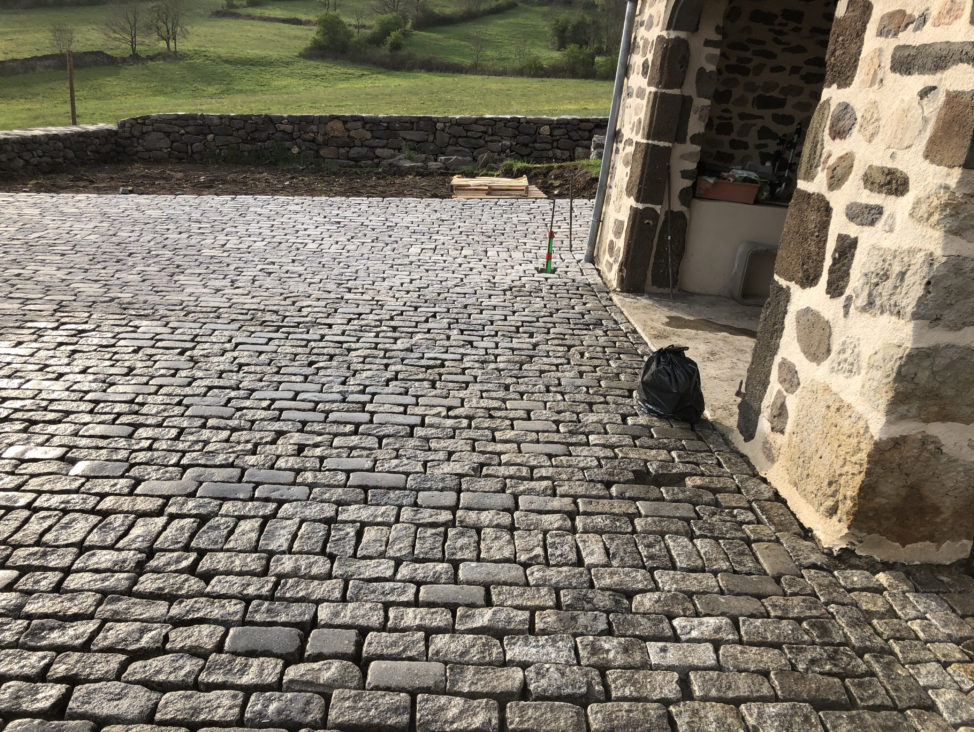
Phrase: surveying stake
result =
(551, 239)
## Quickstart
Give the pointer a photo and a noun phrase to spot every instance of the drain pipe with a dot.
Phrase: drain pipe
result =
(610, 133)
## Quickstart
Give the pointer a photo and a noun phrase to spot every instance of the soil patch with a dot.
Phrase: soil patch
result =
(218, 179)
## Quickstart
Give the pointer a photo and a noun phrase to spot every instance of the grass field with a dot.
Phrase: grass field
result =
(244, 66)
(524, 27)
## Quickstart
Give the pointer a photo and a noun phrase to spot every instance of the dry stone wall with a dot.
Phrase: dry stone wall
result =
(45, 149)
(352, 140)
(359, 139)
(769, 78)
(79, 59)
(858, 399)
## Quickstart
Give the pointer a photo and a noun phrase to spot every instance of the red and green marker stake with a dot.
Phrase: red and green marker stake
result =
(551, 240)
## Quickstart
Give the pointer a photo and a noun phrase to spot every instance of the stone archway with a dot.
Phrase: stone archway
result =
(667, 97)
(858, 397)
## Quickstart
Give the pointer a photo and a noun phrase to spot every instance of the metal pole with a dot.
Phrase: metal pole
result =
(610, 132)
(551, 239)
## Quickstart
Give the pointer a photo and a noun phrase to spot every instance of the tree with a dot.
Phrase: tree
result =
(332, 34)
(396, 41)
(478, 45)
(387, 7)
(126, 22)
(612, 14)
(168, 23)
(63, 38)
(384, 26)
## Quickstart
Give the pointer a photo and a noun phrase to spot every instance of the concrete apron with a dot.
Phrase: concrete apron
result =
(720, 333)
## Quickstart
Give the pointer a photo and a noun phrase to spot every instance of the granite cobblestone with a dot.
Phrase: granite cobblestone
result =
(475, 530)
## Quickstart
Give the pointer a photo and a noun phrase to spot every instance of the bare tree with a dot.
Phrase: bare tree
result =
(126, 22)
(384, 7)
(478, 44)
(169, 24)
(359, 20)
(63, 38)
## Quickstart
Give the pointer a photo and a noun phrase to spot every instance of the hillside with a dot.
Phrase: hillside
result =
(250, 66)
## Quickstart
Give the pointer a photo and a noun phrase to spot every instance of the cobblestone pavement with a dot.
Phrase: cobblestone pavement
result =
(353, 464)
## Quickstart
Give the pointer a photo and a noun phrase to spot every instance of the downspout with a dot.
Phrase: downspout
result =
(610, 133)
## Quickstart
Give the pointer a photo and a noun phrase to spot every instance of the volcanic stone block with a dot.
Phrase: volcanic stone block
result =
(685, 16)
(842, 122)
(706, 82)
(864, 214)
(930, 58)
(814, 335)
(888, 181)
(670, 249)
(778, 413)
(647, 179)
(801, 256)
(951, 143)
(643, 223)
(845, 44)
(840, 170)
(771, 327)
(893, 23)
(668, 68)
(843, 256)
(667, 117)
(788, 376)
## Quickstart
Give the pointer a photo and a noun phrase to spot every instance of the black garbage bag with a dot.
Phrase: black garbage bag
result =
(670, 385)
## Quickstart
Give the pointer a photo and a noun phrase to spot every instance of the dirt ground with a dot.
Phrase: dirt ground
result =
(231, 180)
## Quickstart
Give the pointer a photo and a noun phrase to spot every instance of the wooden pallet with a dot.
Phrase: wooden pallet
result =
(487, 187)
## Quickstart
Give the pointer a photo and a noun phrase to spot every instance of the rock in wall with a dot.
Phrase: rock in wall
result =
(874, 359)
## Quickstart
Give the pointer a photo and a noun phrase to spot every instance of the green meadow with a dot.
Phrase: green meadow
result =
(246, 66)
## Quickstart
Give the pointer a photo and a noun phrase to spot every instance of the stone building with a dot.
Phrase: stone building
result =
(859, 402)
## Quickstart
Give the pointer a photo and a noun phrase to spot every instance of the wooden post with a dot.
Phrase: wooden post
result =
(74, 114)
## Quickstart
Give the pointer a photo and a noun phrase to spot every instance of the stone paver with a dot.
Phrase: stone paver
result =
(354, 463)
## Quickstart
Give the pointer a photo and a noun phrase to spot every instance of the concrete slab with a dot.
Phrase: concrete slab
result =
(719, 331)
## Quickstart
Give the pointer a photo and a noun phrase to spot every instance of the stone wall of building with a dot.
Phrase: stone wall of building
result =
(354, 140)
(670, 80)
(769, 77)
(858, 401)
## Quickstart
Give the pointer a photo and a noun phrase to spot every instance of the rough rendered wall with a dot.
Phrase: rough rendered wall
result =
(669, 83)
(769, 78)
(860, 394)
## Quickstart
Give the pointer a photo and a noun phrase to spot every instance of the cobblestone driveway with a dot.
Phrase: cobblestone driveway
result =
(352, 464)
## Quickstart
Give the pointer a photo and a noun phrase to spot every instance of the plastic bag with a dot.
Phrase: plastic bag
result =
(670, 385)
